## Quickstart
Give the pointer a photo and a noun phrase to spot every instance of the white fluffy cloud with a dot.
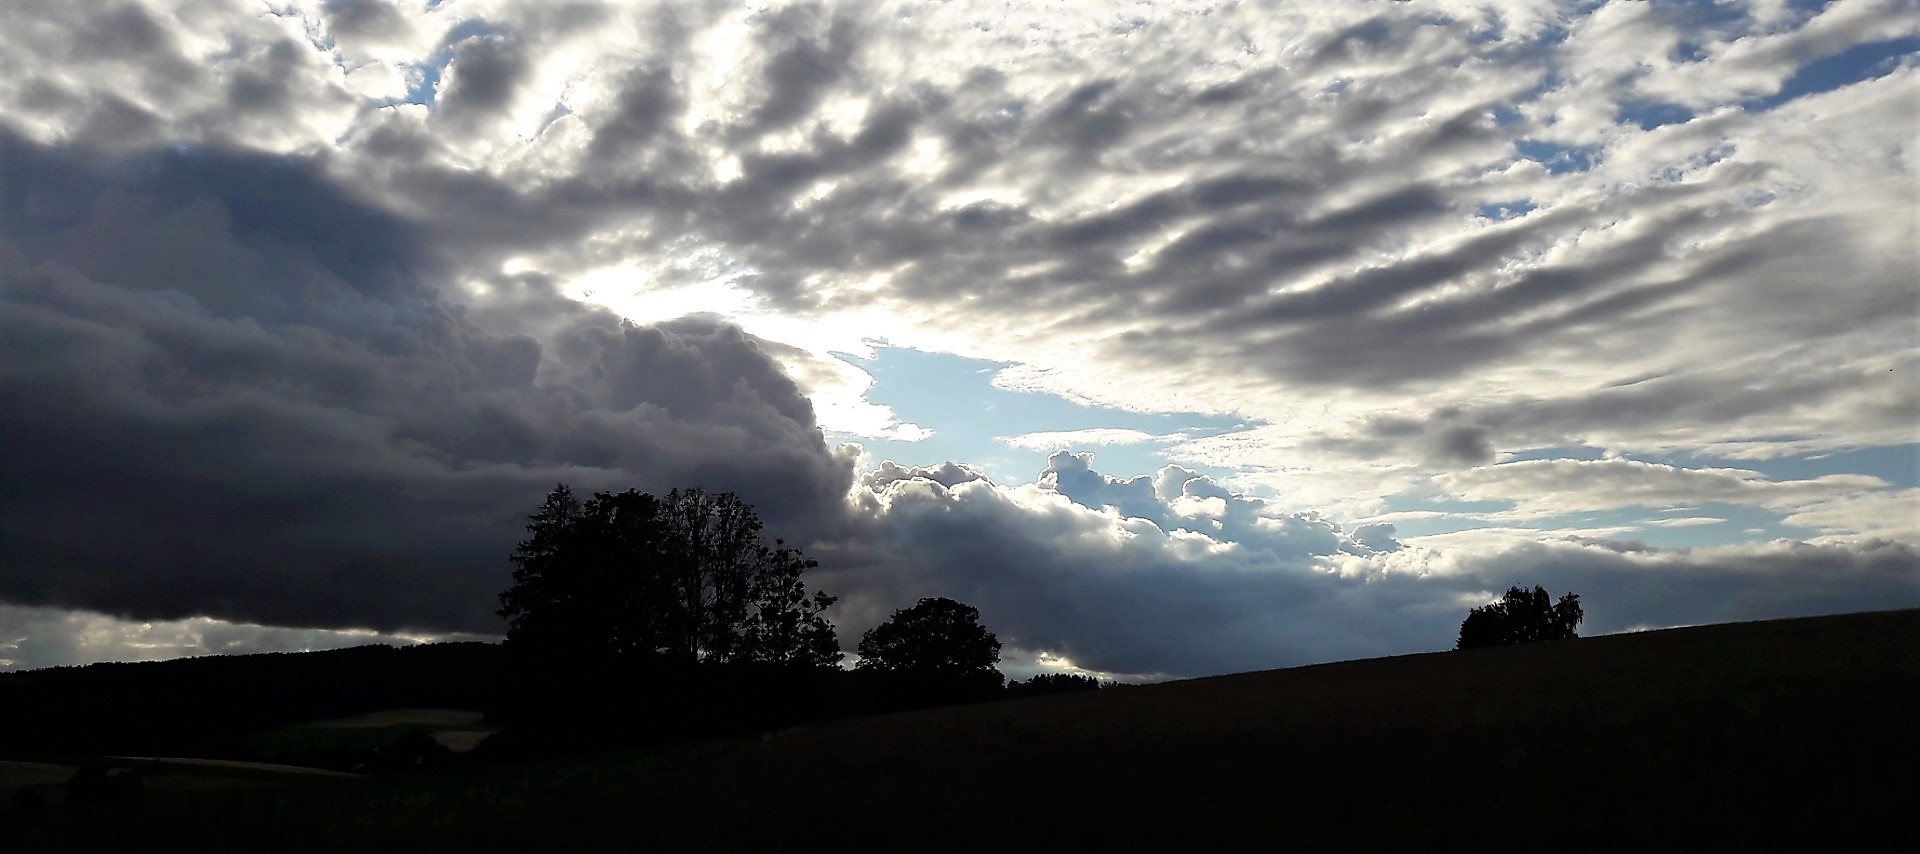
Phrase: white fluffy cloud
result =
(1887, 514)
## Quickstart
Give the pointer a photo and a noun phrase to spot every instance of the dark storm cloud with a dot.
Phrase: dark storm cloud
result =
(248, 401)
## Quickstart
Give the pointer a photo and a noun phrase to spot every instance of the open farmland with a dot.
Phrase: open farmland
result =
(1771, 734)
(459, 730)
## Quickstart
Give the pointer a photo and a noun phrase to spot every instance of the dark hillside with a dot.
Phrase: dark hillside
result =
(175, 707)
(1795, 734)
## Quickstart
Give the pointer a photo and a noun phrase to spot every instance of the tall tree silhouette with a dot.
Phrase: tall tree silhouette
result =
(634, 618)
(628, 576)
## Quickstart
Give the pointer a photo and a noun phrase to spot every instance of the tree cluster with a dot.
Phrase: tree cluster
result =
(1521, 616)
(671, 617)
(627, 576)
(638, 618)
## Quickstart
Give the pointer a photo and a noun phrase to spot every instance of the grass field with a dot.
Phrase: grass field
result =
(1773, 736)
(458, 729)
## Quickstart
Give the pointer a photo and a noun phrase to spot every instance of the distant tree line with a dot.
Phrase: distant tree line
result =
(1043, 684)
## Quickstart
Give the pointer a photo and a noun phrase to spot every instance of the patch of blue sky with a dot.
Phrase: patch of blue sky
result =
(1559, 159)
(1853, 65)
(1554, 34)
(1703, 14)
(1721, 20)
(1558, 452)
(1505, 210)
(1898, 465)
(426, 89)
(1688, 50)
(1697, 526)
(1652, 114)
(1808, 5)
(955, 398)
(1452, 516)
(1685, 527)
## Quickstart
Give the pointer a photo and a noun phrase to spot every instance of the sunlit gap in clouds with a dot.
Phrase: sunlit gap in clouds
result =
(51, 637)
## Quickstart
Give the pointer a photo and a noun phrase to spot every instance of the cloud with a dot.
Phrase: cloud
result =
(234, 417)
(1060, 439)
(308, 275)
(1556, 487)
(1884, 514)
(1645, 586)
(1109, 575)
(1167, 212)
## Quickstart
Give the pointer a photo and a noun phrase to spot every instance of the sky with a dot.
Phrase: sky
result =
(1179, 338)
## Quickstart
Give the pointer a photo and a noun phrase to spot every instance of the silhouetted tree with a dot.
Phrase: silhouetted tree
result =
(933, 652)
(1521, 617)
(630, 576)
(627, 608)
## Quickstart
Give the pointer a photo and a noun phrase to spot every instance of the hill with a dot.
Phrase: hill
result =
(1777, 735)
(186, 706)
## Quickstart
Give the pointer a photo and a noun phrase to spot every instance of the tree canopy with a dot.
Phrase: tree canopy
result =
(936, 636)
(933, 653)
(1521, 616)
(631, 576)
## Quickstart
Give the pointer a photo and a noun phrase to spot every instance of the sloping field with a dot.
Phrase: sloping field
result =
(459, 730)
(47, 776)
(440, 718)
(1778, 735)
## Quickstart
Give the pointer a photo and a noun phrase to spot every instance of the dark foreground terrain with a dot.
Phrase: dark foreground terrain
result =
(1783, 735)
